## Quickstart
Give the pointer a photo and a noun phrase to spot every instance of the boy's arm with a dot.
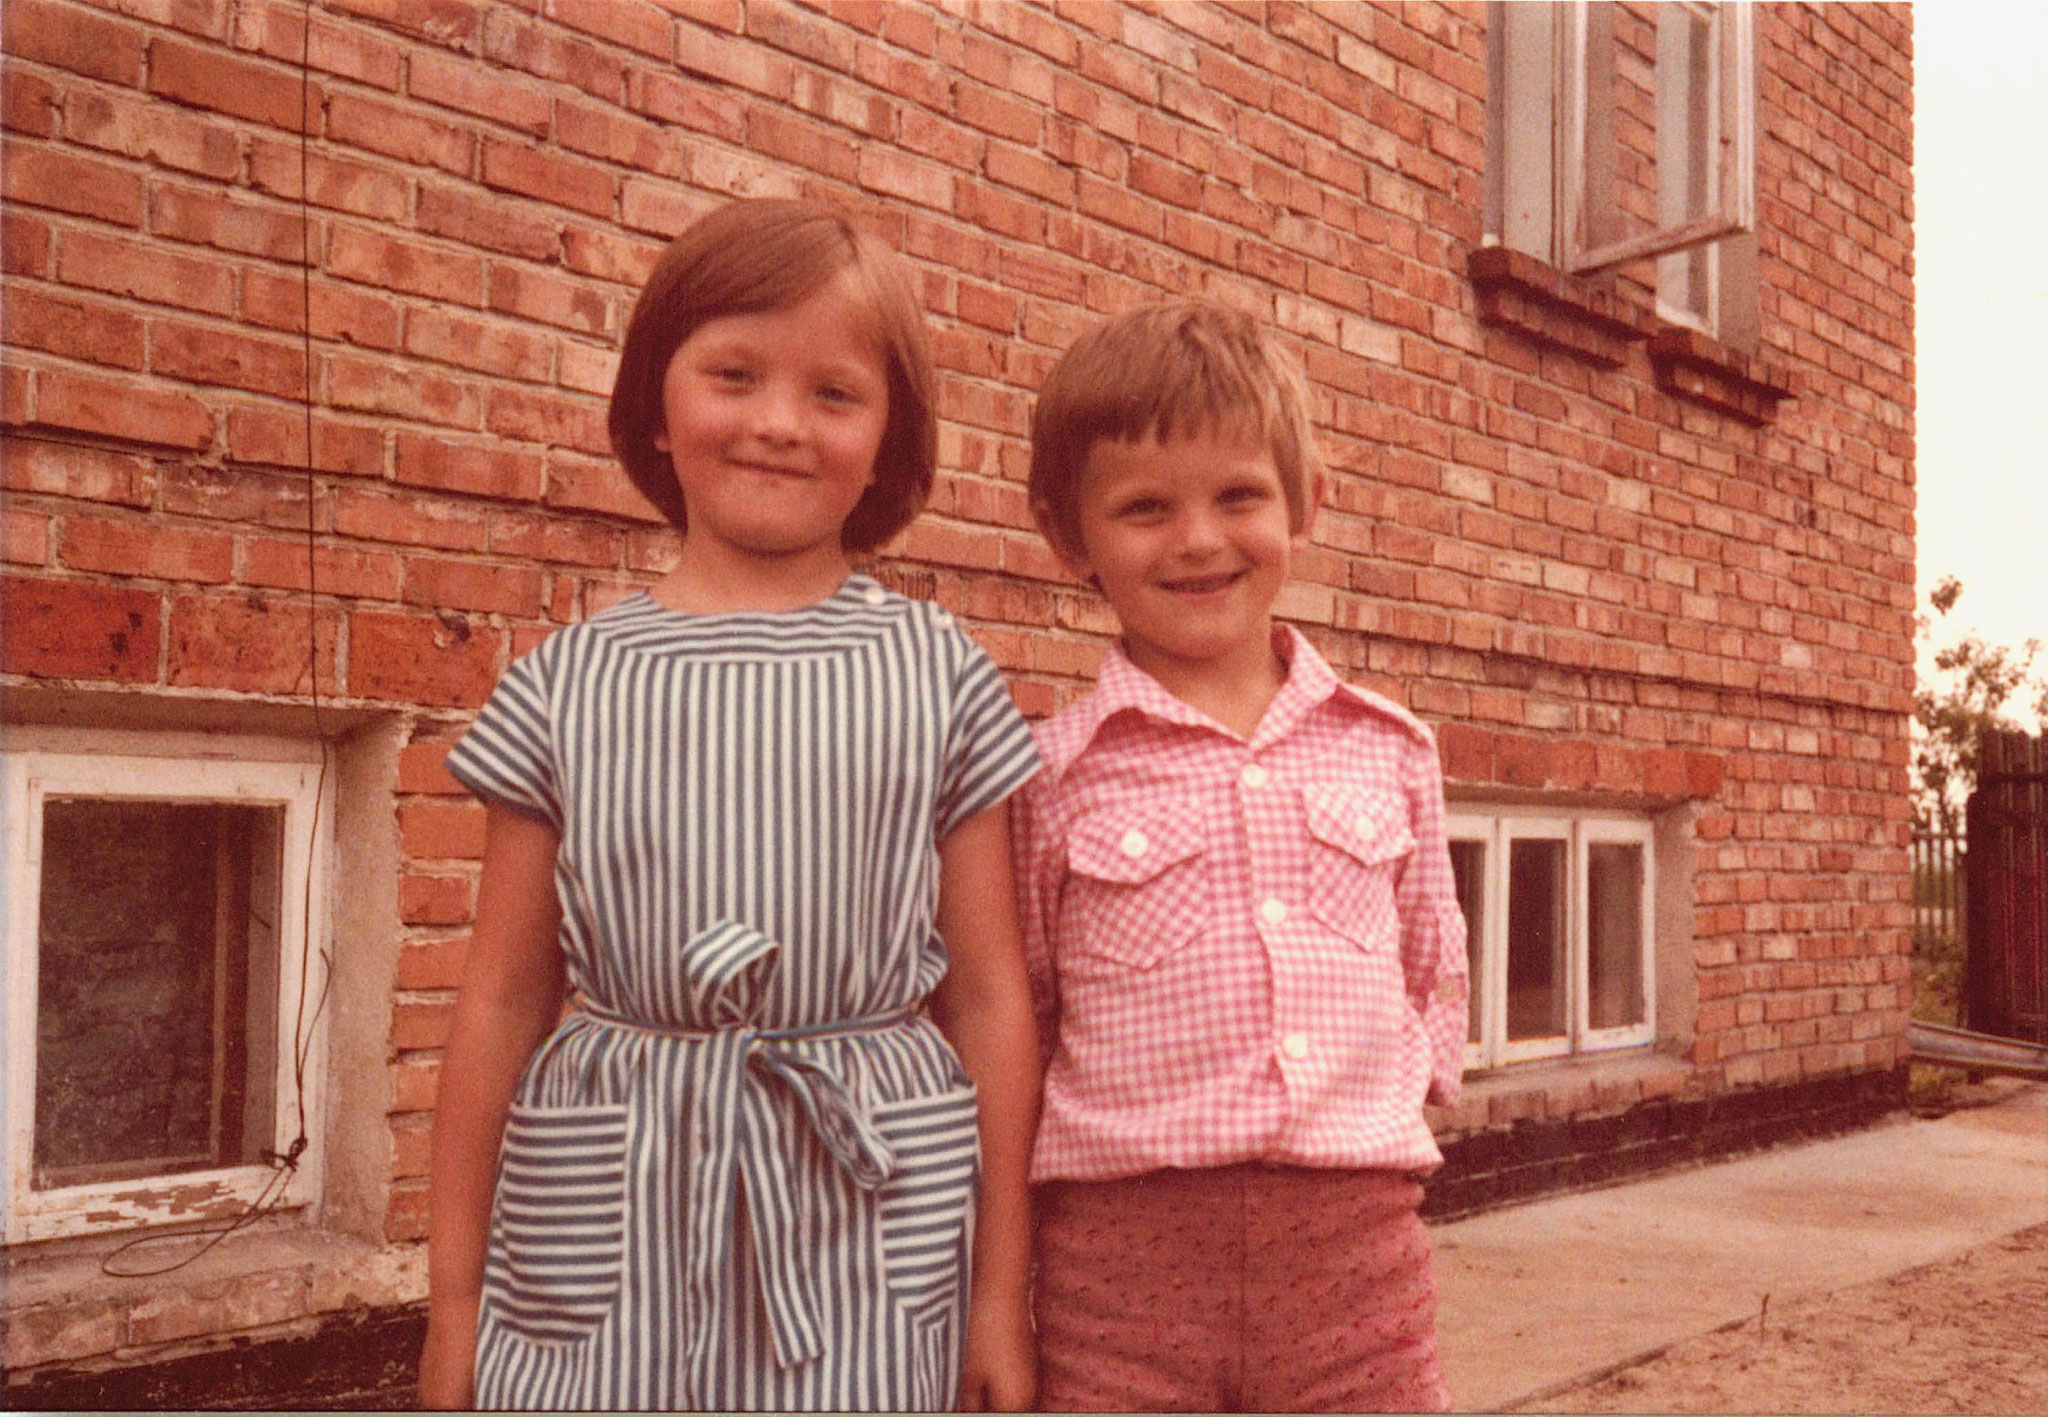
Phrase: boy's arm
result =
(511, 995)
(1034, 915)
(984, 1008)
(1433, 931)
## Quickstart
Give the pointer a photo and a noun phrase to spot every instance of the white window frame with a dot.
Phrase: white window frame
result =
(1495, 830)
(1551, 146)
(242, 770)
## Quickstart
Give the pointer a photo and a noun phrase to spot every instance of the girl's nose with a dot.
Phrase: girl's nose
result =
(778, 415)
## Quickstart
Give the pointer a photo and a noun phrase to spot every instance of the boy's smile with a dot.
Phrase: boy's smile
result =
(1190, 542)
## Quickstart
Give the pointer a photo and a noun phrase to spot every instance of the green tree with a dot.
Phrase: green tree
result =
(1967, 693)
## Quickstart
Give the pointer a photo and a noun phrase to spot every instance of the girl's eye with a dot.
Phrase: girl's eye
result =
(734, 375)
(834, 394)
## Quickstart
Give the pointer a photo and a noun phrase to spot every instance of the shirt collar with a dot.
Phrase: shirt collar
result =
(1121, 687)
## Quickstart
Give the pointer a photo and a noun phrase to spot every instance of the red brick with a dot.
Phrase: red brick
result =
(67, 470)
(28, 104)
(146, 272)
(277, 439)
(24, 536)
(560, 422)
(121, 411)
(578, 485)
(24, 244)
(144, 128)
(411, 521)
(549, 177)
(256, 646)
(490, 587)
(550, 55)
(414, 1083)
(206, 78)
(554, 539)
(348, 314)
(484, 471)
(488, 346)
(131, 548)
(487, 223)
(456, 81)
(206, 218)
(74, 630)
(65, 37)
(38, 177)
(407, 266)
(433, 900)
(392, 388)
(400, 131)
(333, 570)
(337, 183)
(96, 334)
(612, 136)
(278, 31)
(447, 660)
(421, 769)
(441, 831)
(420, 1025)
(205, 355)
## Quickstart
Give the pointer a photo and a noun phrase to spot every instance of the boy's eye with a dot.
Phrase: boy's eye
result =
(1142, 507)
(1248, 494)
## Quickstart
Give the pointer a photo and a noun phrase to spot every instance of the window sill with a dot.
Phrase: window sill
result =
(1534, 299)
(1554, 1089)
(1520, 293)
(60, 1309)
(1695, 366)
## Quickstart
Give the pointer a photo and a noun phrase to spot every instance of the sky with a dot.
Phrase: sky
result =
(1980, 174)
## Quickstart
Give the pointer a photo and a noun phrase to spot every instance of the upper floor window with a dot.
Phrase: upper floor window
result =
(1626, 132)
(1560, 931)
(165, 970)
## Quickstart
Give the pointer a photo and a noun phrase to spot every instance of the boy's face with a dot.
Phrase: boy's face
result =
(1190, 542)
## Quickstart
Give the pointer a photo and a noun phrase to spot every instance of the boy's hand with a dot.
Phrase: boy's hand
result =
(999, 1368)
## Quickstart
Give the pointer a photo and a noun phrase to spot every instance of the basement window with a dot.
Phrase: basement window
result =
(1560, 932)
(165, 974)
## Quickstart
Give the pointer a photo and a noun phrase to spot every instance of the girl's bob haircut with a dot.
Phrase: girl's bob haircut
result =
(1183, 369)
(760, 255)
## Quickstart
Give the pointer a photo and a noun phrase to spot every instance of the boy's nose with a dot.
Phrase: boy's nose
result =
(1201, 531)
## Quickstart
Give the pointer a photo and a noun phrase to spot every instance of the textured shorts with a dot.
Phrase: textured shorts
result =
(1241, 1288)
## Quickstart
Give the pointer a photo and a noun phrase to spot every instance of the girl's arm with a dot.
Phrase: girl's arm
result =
(512, 981)
(984, 1008)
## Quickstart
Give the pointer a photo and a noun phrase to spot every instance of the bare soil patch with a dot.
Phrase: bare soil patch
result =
(1966, 1334)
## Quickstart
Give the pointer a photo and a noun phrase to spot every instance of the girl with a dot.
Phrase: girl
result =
(752, 818)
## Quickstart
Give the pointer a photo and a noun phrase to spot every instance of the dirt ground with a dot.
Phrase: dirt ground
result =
(1968, 1334)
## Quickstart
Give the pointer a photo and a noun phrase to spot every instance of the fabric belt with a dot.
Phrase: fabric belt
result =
(731, 1139)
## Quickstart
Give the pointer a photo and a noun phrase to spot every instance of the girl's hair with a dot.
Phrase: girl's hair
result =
(769, 254)
(1184, 369)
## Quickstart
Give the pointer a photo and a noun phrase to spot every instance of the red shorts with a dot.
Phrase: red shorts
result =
(1241, 1288)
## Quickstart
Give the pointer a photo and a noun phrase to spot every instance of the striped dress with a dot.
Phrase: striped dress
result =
(740, 1175)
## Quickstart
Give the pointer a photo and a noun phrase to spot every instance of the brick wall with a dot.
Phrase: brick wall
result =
(1590, 579)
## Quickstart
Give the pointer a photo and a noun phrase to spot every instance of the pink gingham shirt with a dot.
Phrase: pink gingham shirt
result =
(1239, 951)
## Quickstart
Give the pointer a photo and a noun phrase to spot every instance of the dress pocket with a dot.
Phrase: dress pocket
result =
(1135, 890)
(1360, 841)
(560, 1222)
(923, 1207)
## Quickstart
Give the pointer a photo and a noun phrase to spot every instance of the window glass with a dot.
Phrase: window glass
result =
(1468, 866)
(157, 979)
(1536, 939)
(1688, 133)
(1614, 934)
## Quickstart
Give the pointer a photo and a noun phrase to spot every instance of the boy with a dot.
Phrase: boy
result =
(1244, 940)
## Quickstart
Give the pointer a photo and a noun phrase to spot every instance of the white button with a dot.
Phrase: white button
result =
(1295, 1046)
(942, 617)
(874, 595)
(1362, 824)
(1253, 775)
(1135, 843)
(1272, 911)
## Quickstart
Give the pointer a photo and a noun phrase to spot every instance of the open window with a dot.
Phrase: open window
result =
(1622, 133)
(165, 969)
(1560, 932)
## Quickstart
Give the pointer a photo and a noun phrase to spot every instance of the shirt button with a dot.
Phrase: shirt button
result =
(1362, 824)
(1272, 911)
(874, 595)
(1253, 775)
(1135, 843)
(942, 618)
(1295, 1046)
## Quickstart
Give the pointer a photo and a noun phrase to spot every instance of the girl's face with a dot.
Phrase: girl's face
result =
(772, 421)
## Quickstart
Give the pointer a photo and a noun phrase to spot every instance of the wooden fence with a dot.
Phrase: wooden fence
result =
(2005, 911)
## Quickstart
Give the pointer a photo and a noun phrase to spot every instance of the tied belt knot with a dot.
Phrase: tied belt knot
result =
(735, 1130)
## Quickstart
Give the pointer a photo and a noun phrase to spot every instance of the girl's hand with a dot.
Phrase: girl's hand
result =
(999, 1367)
(448, 1359)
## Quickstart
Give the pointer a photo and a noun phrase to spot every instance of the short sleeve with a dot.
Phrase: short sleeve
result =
(989, 749)
(508, 754)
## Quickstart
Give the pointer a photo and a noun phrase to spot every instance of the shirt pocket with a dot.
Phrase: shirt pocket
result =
(560, 1221)
(1359, 840)
(923, 1208)
(1135, 889)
